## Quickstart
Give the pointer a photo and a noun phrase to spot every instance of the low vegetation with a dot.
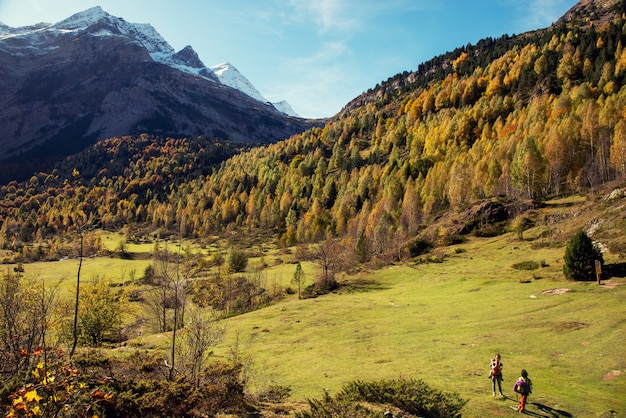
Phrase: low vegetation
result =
(526, 265)
(96, 385)
(403, 396)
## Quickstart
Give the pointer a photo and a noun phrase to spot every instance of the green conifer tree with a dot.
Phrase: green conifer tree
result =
(580, 257)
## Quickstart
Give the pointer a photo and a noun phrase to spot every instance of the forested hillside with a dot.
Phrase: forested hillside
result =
(525, 117)
(197, 293)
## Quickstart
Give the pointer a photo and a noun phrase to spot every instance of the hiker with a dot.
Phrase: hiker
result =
(495, 374)
(523, 386)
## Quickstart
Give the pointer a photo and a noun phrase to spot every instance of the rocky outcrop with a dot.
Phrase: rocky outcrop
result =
(488, 213)
(593, 12)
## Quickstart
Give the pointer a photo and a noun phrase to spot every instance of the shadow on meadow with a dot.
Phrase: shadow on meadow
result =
(544, 410)
(362, 285)
(551, 412)
(615, 270)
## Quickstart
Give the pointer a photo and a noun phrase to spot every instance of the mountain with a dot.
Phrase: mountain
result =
(477, 136)
(593, 12)
(285, 107)
(229, 75)
(94, 76)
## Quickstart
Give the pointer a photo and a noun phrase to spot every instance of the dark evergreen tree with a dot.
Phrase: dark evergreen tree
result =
(362, 251)
(580, 256)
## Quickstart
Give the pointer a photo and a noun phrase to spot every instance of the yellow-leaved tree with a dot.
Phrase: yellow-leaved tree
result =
(618, 149)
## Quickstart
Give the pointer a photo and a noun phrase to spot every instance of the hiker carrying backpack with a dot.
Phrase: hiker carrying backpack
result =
(523, 386)
(495, 374)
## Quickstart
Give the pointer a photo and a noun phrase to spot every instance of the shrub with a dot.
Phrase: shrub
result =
(359, 399)
(149, 275)
(95, 385)
(453, 240)
(580, 256)
(526, 265)
(236, 261)
(57, 388)
(488, 230)
(419, 247)
(322, 286)
(437, 257)
(274, 393)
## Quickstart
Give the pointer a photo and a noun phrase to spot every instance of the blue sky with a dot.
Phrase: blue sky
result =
(316, 54)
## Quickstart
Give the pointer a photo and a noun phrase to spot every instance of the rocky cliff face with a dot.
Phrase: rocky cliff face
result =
(596, 12)
(90, 77)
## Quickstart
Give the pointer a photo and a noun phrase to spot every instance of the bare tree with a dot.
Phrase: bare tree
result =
(86, 225)
(157, 301)
(325, 255)
(198, 336)
(173, 273)
(45, 303)
(25, 315)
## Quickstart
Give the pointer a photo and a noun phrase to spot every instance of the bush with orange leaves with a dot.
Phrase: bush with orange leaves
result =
(55, 388)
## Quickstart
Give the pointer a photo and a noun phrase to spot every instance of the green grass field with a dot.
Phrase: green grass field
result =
(113, 269)
(442, 323)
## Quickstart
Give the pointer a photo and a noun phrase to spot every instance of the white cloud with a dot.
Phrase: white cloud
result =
(542, 13)
(326, 15)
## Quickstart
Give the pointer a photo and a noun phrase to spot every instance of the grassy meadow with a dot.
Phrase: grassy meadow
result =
(440, 322)
(112, 269)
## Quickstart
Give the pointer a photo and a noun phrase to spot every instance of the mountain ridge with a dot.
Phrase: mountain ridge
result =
(228, 75)
(582, 14)
(185, 60)
(94, 76)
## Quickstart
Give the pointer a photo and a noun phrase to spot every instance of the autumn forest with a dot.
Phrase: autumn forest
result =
(526, 117)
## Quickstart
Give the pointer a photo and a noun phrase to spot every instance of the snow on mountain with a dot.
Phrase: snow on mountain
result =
(284, 107)
(143, 33)
(230, 76)
(97, 22)
(4, 29)
(83, 19)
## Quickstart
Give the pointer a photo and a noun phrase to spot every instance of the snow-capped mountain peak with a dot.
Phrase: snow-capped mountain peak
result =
(144, 33)
(96, 22)
(230, 76)
(284, 107)
(83, 19)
